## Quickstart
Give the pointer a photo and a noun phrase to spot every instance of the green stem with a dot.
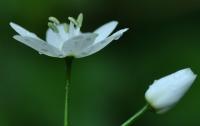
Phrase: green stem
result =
(68, 62)
(134, 117)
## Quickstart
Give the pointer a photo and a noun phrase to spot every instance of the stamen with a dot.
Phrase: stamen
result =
(66, 27)
(71, 19)
(53, 27)
(54, 20)
(80, 20)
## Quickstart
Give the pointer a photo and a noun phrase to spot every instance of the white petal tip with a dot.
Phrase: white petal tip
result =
(115, 23)
(16, 36)
(187, 72)
(119, 33)
(13, 25)
(124, 30)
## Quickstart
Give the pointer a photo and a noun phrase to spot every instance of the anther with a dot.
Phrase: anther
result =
(54, 20)
(53, 27)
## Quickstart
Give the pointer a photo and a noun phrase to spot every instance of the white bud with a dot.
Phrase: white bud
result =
(167, 91)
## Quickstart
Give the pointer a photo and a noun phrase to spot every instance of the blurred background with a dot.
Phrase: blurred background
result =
(107, 87)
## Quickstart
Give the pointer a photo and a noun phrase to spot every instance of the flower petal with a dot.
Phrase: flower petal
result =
(105, 30)
(73, 31)
(77, 44)
(39, 45)
(100, 45)
(22, 31)
(57, 39)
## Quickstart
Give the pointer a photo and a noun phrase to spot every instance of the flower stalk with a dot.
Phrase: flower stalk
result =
(132, 119)
(68, 62)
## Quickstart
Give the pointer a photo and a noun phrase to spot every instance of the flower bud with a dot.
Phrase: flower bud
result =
(167, 91)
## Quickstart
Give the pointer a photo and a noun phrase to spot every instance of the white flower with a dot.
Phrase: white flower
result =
(64, 39)
(167, 91)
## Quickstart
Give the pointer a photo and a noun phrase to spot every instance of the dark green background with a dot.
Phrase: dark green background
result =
(109, 86)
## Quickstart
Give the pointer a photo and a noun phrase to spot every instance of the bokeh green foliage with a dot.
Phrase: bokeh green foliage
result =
(107, 87)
